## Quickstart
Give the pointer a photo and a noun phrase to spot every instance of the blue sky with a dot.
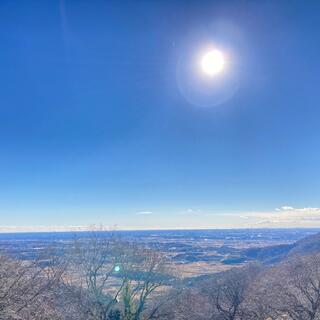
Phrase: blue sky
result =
(95, 127)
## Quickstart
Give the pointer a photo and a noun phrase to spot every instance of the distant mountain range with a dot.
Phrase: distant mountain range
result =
(265, 255)
(277, 253)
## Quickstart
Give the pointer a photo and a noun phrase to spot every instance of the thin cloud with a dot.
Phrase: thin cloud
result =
(284, 208)
(37, 228)
(286, 216)
(191, 212)
(144, 213)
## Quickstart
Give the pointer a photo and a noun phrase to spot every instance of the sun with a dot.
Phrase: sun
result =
(213, 62)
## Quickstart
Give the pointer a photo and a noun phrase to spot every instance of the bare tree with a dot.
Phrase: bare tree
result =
(228, 292)
(259, 299)
(26, 290)
(89, 283)
(296, 288)
(109, 277)
(191, 303)
(143, 271)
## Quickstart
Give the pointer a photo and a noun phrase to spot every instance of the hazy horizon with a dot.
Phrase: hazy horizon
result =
(283, 217)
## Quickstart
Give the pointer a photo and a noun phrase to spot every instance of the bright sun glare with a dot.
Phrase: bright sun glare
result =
(212, 62)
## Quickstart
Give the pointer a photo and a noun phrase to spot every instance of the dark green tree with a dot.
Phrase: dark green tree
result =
(114, 315)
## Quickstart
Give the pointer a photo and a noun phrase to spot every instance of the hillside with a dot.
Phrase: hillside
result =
(274, 254)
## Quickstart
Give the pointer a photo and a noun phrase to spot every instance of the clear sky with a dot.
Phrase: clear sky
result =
(96, 127)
